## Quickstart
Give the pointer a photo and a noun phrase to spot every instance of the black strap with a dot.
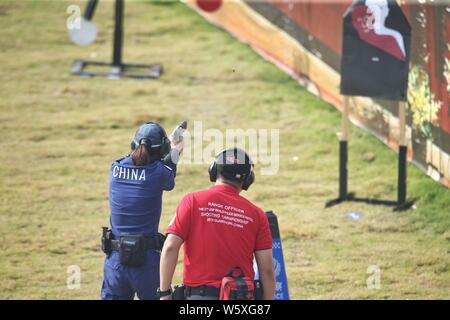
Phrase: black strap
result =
(204, 291)
(156, 242)
(153, 243)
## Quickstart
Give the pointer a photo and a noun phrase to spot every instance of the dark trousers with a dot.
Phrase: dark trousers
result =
(122, 282)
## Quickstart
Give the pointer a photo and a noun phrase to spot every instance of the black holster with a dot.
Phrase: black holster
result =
(159, 239)
(106, 240)
(179, 293)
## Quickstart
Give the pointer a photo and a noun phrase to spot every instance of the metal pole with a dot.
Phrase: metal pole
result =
(343, 151)
(118, 34)
(90, 9)
(402, 152)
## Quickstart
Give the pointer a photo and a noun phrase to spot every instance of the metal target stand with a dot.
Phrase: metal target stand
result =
(117, 69)
(361, 76)
(402, 203)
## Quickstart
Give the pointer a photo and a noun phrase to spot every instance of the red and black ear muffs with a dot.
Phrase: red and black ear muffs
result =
(247, 179)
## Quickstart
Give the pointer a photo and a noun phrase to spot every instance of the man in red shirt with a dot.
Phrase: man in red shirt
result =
(220, 230)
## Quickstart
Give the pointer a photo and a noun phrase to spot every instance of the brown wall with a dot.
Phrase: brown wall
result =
(304, 38)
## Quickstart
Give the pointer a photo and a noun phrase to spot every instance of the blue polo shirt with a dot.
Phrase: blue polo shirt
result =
(135, 196)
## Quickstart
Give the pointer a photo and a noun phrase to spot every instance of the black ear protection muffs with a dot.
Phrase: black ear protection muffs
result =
(154, 137)
(232, 171)
(165, 146)
(212, 170)
(248, 180)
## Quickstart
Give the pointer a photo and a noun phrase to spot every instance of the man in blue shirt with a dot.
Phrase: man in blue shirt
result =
(137, 182)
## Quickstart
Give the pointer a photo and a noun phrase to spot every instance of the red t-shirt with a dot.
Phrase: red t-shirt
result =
(221, 230)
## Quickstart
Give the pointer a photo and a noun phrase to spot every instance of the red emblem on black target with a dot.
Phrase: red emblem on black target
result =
(209, 5)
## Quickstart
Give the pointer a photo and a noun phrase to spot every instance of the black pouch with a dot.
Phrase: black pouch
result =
(159, 239)
(106, 240)
(132, 250)
(179, 293)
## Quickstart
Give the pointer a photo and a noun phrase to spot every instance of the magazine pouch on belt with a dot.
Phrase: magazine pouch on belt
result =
(132, 250)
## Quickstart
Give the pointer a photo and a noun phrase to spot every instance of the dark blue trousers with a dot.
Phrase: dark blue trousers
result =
(122, 282)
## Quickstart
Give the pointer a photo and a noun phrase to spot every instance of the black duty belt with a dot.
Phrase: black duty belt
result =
(153, 243)
(204, 291)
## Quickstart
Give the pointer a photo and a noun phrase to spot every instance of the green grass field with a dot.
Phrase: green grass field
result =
(59, 134)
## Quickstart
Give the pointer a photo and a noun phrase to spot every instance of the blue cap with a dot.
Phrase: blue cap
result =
(151, 134)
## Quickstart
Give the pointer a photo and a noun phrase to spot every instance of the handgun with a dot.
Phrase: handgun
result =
(177, 133)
